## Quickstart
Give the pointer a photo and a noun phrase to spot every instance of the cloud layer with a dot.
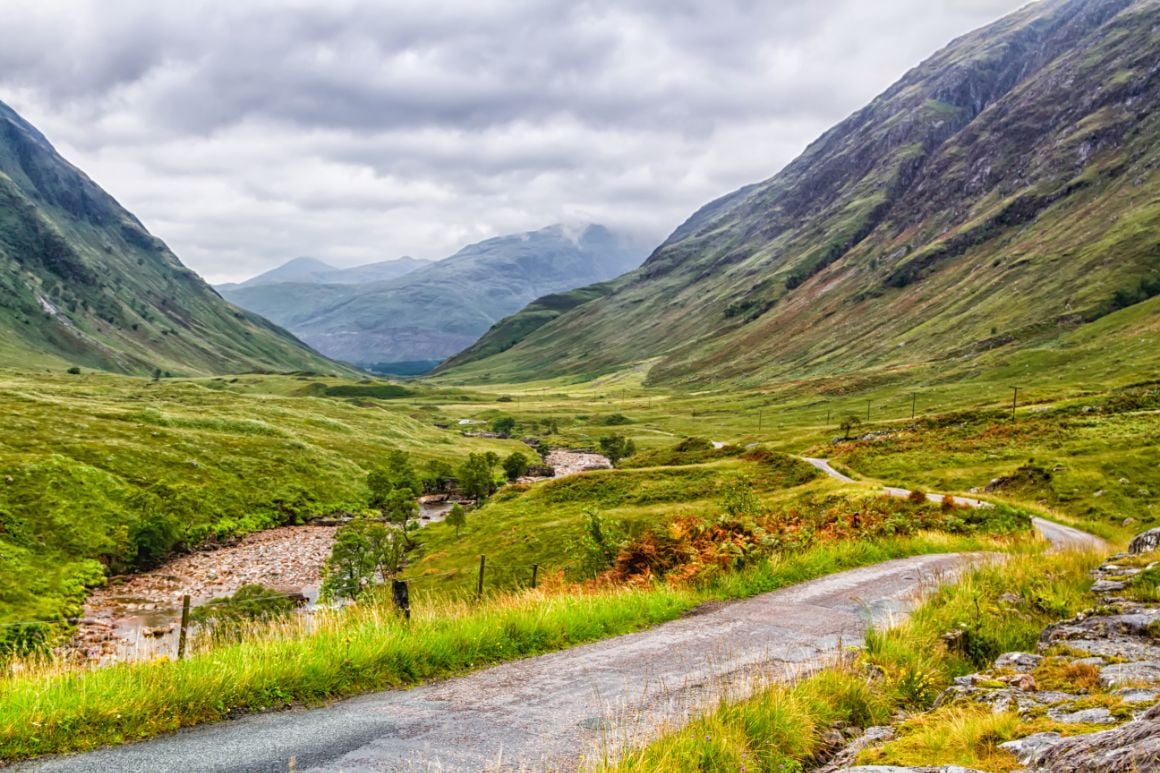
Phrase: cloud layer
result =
(245, 134)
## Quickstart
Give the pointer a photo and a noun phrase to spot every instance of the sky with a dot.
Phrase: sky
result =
(248, 133)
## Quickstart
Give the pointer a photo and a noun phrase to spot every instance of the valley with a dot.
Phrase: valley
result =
(857, 467)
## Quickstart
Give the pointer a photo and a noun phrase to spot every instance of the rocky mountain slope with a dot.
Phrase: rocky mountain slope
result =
(999, 195)
(83, 283)
(312, 270)
(436, 310)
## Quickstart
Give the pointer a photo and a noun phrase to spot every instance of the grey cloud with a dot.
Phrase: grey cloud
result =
(357, 130)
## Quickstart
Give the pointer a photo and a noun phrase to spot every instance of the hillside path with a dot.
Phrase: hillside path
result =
(553, 711)
(1060, 536)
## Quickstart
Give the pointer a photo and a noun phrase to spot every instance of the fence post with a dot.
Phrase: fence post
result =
(867, 410)
(479, 585)
(913, 403)
(181, 637)
(1014, 401)
(535, 570)
(402, 596)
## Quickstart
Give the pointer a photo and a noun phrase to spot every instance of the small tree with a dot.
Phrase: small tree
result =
(543, 449)
(476, 476)
(364, 552)
(401, 509)
(504, 425)
(599, 544)
(849, 424)
(438, 475)
(617, 447)
(457, 517)
(516, 465)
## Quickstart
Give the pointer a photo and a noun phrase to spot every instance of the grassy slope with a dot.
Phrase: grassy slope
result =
(884, 245)
(85, 460)
(82, 282)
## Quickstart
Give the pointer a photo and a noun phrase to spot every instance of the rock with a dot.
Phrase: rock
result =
(1129, 522)
(1124, 481)
(9, 479)
(1097, 716)
(1024, 682)
(1010, 598)
(1019, 661)
(1107, 586)
(1098, 493)
(1028, 750)
(873, 736)
(1130, 674)
(1146, 542)
(1137, 695)
(1129, 748)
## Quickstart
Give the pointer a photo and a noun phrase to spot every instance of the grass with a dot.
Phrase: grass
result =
(995, 608)
(53, 708)
(94, 467)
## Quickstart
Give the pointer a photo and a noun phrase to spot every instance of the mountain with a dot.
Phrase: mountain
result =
(313, 271)
(441, 308)
(83, 283)
(1001, 194)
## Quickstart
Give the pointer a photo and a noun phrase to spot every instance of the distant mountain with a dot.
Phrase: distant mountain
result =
(440, 308)
(1001, 194)
(83, 283)
(312, 271)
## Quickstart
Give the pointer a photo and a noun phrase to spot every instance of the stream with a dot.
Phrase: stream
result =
(137, 617)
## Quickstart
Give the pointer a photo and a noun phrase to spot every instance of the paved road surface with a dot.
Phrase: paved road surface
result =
(545, 712)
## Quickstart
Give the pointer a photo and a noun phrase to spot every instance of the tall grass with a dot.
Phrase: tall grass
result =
(994, 608)
(52, 707)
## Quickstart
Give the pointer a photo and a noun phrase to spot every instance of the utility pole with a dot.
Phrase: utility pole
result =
(1014, 402)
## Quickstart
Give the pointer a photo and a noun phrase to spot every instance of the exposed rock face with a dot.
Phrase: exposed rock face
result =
(1130, 748)
(1146, 542)
(1112, 658)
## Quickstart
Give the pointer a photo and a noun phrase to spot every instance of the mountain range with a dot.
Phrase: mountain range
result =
(431, 310)
(82, 282)
(1001, 195)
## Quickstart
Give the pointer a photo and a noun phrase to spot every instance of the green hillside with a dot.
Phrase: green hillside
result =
(434, 311)
(83, 283)
(1001, 196)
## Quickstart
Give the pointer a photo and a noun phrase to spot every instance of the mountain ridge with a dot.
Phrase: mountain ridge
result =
(904, 232)
(82, 282)
(441, 308)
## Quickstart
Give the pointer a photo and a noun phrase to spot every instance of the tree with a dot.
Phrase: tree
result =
(617, 447)
(401, 509)
(504, 425)
(543, 449)
(599, 544)
(438, 475)
(364, 552)
(457, 517)
(476, 476)
(849, 424)
(516, 465)
(402, 474)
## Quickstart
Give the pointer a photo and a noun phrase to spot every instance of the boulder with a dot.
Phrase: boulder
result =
(1028, 750)
(1022, 662)
(1130, 674)
(1146, 542)
(1129, 748)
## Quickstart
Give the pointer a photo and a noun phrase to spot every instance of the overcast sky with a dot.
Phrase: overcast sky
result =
(248, 133)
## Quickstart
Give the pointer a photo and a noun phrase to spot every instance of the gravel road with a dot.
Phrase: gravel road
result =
(556, 711)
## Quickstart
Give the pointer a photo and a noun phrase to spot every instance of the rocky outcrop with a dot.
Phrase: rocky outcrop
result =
(1100, 669)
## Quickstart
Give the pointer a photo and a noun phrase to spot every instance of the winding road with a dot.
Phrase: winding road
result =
(561, 710)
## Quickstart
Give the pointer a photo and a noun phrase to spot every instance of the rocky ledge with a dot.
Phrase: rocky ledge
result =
(1097, 674)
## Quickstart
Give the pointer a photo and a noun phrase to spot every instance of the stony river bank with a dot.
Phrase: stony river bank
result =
(136, 617)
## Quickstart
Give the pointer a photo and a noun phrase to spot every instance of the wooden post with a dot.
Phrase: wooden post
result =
(181, 637)
(759, 421)
(913, 402)
(1014, 402)
(402, 596)
(867, 410)
(828, 414)
(479, 585)
(535, 571)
